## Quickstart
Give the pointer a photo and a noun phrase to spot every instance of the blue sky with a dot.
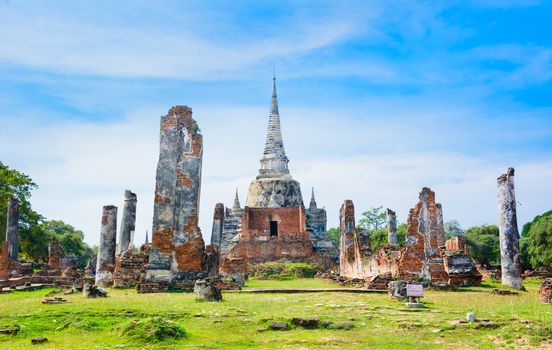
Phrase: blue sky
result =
(378, 99)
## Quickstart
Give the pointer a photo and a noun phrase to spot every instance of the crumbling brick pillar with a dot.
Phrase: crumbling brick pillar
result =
(128, 222)
(218, 225)
(54, 258)
(347, 238)
(12, 231)
(509, 234)
(4, 261)
(391, 227)
(178, 249)
(545, 291)
(106, 250)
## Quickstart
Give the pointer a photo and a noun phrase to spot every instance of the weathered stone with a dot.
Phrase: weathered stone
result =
(4, 261)
(231, 222)
(10, 330)
(278, 326)
(54, 255)
(354, 244)
(497, 291)
(545, 291)
(39, 340)
(316, 225)
(470, 317)
(391, 227)
(176, 238)
(397, 290)
(106, 250)
(212, 260)
(509, 234)
(487, 324)
(307, 323)
(92, 291)
(128, 221)
(218, 225)
(12, 230)
(205, 290)
(55, 300)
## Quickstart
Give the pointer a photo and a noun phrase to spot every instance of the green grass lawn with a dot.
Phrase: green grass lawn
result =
(379, 323)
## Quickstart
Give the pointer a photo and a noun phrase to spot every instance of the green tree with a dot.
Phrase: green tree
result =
(19, 185)
(453, 229)
(333, 232)
(484, 244)
(33, 244)
(373, 219)
(525, 241)
(71, 240)
(540, 242)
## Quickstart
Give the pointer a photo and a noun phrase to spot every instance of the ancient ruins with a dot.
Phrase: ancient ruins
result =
(509, 234)
(274, 225)
(424, 257)
(177, 256)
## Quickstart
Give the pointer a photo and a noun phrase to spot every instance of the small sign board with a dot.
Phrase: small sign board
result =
(415, 290)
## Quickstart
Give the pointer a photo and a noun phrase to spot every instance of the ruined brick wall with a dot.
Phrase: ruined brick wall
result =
(4, 261)
(545, 291)
(177, 190)
(128, 269)
(457, 244)
(54, 255)
(421, 257)
(256, 245)
(350, 263)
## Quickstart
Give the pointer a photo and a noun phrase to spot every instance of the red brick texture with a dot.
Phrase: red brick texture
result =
(257, 245)
(4, 261)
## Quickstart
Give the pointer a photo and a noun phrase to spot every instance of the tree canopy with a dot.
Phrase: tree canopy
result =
(35, 232)
(373, 219)
(452, 228)
(540, 242)
(484, 244)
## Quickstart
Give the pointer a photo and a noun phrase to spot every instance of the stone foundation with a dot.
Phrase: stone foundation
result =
(128, 269)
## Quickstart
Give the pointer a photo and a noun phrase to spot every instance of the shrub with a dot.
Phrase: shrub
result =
(283, 271)
(152, 329)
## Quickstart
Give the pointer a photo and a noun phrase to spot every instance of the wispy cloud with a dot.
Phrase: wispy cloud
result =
(377, 100)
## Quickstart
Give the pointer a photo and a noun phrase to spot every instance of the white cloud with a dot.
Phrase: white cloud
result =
(46, 38)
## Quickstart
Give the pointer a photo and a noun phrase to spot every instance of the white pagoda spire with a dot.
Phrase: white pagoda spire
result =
(274, 162)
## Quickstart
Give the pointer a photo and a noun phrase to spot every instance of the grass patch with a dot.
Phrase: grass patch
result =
(379, 323)
(152, 329)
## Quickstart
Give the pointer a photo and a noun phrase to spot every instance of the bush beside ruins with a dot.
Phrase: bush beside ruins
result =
(283, 271)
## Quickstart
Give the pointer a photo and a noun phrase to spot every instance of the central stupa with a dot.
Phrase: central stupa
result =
(274, 186)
